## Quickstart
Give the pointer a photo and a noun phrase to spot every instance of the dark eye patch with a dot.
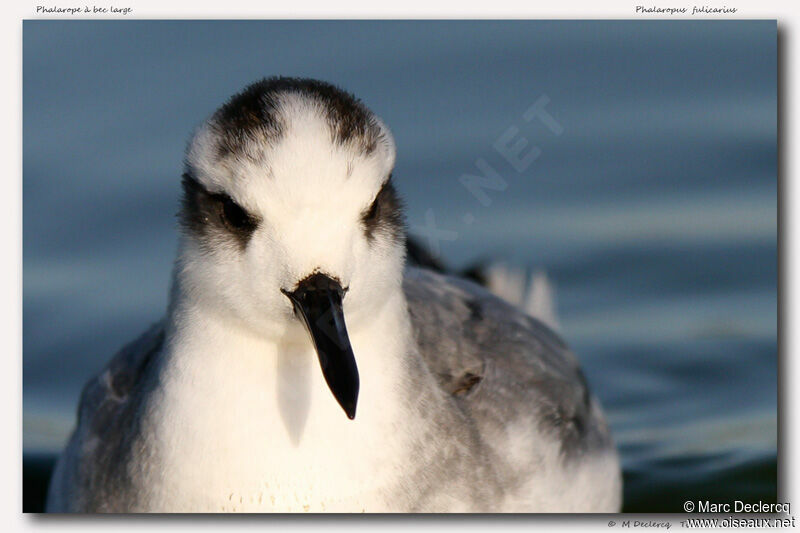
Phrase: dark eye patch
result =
(234, 215)
(214, 217)
(385, 214)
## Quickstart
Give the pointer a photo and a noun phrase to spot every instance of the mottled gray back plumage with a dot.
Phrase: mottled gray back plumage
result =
(101, 449)
(501, 364)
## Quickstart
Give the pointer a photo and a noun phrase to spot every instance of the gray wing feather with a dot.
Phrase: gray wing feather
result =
(501, 364)
(93, 460)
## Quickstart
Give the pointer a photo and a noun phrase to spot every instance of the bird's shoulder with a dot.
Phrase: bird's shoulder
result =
(114, 386)
(459, 325)
(94, 458)
(497, 360)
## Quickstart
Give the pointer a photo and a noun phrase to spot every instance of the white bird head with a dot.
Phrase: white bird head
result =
(290, 218)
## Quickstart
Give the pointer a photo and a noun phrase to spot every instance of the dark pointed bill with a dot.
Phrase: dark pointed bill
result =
(317, 302)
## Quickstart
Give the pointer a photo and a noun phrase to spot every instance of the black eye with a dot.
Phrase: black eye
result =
(234, 215)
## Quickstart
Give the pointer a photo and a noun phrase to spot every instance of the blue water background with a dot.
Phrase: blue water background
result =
(654, 211)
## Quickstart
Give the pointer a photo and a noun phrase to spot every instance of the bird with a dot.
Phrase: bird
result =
(303, 366)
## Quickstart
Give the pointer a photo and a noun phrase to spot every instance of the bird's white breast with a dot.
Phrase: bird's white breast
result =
(240, 424)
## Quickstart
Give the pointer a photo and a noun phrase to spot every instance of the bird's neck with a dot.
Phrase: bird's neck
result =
(213, 353)
(259, 405)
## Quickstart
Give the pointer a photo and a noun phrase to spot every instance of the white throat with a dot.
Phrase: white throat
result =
(238, 410)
